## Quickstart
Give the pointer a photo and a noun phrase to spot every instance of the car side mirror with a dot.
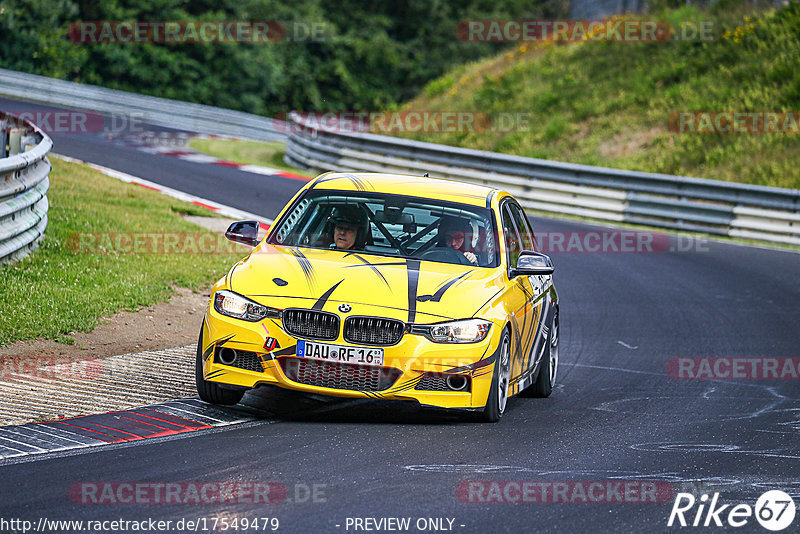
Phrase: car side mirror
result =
(245, 232)
(532, 263)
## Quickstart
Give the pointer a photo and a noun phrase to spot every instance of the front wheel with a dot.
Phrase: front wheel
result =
(498, 394)
(209, 391)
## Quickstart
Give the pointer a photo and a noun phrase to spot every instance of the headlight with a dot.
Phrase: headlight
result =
(465, 331)
(233, 305)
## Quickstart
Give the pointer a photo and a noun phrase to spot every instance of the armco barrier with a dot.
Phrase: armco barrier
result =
(149, 109)
(677, 202)
(23, 187)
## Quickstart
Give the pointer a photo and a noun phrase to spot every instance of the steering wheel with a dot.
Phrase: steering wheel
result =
(446, 255)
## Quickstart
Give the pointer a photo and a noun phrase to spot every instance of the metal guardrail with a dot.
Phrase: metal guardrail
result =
(676, 202)
(23, 187)
(149, 109)
(754, 212)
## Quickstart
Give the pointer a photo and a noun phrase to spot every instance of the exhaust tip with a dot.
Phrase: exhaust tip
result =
(456, 382)
(227, 356)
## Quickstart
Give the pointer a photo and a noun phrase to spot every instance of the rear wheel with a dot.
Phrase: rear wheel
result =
(209, 391)
(498, 394)
(543, 386)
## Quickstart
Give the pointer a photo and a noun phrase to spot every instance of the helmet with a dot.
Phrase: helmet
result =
(450, 225)
(350, 215)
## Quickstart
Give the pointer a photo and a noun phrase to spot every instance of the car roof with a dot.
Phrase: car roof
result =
(401, 184)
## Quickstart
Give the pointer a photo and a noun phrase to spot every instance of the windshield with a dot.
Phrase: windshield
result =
(390, 225)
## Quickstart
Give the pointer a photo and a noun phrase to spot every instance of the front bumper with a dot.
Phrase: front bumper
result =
(415, 361)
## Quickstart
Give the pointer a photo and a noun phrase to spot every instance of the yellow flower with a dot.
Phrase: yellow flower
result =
(523, 48)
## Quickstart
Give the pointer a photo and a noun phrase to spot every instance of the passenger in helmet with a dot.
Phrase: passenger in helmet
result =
(350, 227)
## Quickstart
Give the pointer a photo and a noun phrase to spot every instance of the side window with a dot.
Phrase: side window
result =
(523, 226)
(291, 228)
(513, 245)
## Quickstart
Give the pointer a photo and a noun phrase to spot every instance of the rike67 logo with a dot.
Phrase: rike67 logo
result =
(774, 510)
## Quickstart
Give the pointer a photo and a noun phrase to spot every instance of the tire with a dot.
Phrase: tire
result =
(498, 394)
(543, 386)
(209, 391)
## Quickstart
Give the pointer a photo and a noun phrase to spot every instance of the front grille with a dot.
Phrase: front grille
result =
(247, 360)
(338, 375)
(311, 323)
(373, 330)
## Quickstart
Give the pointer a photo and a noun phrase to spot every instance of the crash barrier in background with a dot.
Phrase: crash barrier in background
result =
(147, 109)
(676, 202)
(24, 182)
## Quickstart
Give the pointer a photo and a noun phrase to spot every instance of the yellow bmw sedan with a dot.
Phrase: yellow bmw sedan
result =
(386, 287)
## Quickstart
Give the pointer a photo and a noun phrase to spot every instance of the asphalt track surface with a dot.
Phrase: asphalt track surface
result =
(616, 415)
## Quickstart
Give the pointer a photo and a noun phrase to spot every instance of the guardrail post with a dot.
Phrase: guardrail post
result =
(4, 138)
(15, 141)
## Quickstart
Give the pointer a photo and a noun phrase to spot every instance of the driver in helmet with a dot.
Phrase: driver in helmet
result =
(453, 234)
(350, 227)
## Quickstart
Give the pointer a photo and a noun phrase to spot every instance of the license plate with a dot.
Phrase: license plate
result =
(339, 353)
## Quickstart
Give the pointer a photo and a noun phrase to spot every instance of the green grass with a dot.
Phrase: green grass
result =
(606, 103)
(267, 154)
(56, 290)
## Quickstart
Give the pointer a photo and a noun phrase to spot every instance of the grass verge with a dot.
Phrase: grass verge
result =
(612, 103)
(60, 288)
(267, 154)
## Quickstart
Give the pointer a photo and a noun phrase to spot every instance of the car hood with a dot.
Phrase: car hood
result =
(406, 289)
